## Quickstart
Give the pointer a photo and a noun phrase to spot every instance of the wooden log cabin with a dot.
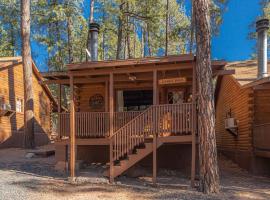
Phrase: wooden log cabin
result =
(125, 112)
(243, 117)
(12, 104)
(243, 109)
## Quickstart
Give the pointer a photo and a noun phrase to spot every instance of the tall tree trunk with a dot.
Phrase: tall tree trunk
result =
(92, 4)
(142, 41)
(134, 39)
(148, 40)
(192, 28)
(69, 31)
(91, 20)
(167, 21)
(209, 177)
(128, 33)
(120, 33)
(29, 139)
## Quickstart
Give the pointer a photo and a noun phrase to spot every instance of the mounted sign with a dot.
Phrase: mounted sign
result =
(96, 101)
(167, 81)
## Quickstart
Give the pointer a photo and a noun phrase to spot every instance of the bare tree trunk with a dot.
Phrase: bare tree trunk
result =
(142, 41)
(148, 41)
(134, 39)
(167, 21)
(70, 50)
(120, 33)
(92, 4)
(91, 20)
(192, 29)
(209, 177)
(29, 139)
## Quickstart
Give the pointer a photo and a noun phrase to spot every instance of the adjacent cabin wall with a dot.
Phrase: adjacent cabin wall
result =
(11, 129)
(240, 102)
(262, 106)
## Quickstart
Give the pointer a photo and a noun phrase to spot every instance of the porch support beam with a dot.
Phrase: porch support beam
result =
(155, 102)
(59, 106)
(72, 131)
(106, 96)
(194, 128)
(111, 104)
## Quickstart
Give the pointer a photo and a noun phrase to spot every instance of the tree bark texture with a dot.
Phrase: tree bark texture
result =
(120, 33)
(167, 22)
(91, 20)
(209, 177)
(29, 139)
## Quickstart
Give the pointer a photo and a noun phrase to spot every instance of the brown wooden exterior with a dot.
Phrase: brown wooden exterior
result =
(248, 101)
(11, 89)
(160, 123)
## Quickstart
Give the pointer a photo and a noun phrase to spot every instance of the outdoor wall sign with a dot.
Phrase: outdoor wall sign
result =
(172, 80)
(96, 101)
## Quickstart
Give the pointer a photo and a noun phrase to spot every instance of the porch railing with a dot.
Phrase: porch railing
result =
(165, 120)
(93, 124)
(176, 119)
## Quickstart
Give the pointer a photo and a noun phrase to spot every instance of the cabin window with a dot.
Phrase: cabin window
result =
(136, 100)
(19, 105)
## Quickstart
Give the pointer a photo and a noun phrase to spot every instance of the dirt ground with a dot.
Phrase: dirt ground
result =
(35, 178)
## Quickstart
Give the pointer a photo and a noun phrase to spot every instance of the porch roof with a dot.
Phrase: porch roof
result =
(99, 69)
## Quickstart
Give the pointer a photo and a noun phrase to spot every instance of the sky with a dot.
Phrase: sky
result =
(231, 44)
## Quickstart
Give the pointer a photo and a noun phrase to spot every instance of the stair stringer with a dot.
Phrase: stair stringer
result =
(132, 159)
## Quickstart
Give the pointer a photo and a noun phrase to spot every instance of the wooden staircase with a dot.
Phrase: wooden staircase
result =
(131, 159)
(134, 141)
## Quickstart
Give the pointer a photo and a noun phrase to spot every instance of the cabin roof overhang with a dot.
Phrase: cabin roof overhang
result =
(98, 71)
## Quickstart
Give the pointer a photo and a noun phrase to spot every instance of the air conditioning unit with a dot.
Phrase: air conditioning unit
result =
(5, 106)
(231, 125)
(5, 110)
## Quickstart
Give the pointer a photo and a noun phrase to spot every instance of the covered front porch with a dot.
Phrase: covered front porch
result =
(129, 105)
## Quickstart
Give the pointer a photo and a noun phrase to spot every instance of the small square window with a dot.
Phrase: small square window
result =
(19, 105)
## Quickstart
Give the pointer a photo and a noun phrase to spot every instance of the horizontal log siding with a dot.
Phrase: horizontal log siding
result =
(83, 95)
(241, 102)
(262, 106)
(12, 87)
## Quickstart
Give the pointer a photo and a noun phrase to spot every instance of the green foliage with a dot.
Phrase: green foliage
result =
(61, 27)
(9, 27)
(265, 6)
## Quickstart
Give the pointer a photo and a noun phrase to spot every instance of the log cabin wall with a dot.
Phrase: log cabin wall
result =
(85, 92)
(12, 89)
(262, 106)
(240, 102)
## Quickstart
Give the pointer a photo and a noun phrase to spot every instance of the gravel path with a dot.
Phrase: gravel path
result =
(35, 178)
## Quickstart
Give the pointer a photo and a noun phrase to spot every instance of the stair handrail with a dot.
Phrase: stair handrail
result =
(146, 124)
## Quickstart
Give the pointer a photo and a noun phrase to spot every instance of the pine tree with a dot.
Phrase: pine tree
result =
(10, 42)
(209, 177)
(29, 139)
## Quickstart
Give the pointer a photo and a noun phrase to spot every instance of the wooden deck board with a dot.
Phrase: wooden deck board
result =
(106, 141)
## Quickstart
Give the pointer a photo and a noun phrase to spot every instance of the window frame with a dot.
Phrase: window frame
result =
(18, 99)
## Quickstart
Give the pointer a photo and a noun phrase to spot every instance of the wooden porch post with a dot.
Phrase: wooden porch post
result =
(194, 128)
(72, 131)
(106, 96)
(59, 108)
(155, 102)
(111, 104)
